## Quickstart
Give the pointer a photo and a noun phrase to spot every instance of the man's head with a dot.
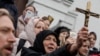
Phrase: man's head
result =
(7, 37)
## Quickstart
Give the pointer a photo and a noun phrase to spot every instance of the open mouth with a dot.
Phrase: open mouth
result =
(9, 50)
(51, 48)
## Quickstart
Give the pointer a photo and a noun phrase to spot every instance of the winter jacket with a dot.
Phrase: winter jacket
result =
(20, 25)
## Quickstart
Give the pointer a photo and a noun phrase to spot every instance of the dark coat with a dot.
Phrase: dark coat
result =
(38, 48)
(94, 51)
(59, 52)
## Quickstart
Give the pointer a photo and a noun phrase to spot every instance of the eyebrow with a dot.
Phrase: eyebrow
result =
(8, 28)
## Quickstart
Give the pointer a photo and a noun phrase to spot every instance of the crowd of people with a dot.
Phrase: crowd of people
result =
(29, 35)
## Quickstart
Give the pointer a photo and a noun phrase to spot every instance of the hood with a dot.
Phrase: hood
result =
(38, 44)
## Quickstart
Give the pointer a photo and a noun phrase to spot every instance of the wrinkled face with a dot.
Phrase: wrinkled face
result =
(84, 49)
(92, 40)
(28, 8)
(40, 26)
(63, 35)
(47, 23)
(50, 43)
(7, 37)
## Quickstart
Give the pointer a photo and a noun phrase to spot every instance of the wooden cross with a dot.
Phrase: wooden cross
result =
(87, 13)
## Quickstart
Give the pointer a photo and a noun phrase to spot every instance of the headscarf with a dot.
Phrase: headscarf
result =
(38, 44)
(62, 29)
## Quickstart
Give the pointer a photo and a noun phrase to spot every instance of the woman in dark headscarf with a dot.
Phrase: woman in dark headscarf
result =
(46, 43)
(63, 34)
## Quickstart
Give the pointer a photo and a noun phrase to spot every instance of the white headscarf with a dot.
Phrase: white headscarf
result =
(28, 33)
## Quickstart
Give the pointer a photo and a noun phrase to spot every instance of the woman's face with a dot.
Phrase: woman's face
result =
(63, 35)
(47, 23)
(84, 49)
(30, 8)
(40, 26)
(92, 40)
(50, 43)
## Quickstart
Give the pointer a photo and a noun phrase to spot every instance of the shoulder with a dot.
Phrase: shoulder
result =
(23, 35)
(95, 49)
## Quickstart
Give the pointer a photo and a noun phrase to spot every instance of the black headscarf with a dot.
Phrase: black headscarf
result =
(62, 29)
(38, 44)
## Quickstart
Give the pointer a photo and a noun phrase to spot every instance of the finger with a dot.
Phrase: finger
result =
(84, 29)
(83, 33)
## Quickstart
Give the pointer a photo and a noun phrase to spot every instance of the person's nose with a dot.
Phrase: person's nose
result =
(11, 38)
(91, 40)
(87, 49)
(52, 42)
(41, 29)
